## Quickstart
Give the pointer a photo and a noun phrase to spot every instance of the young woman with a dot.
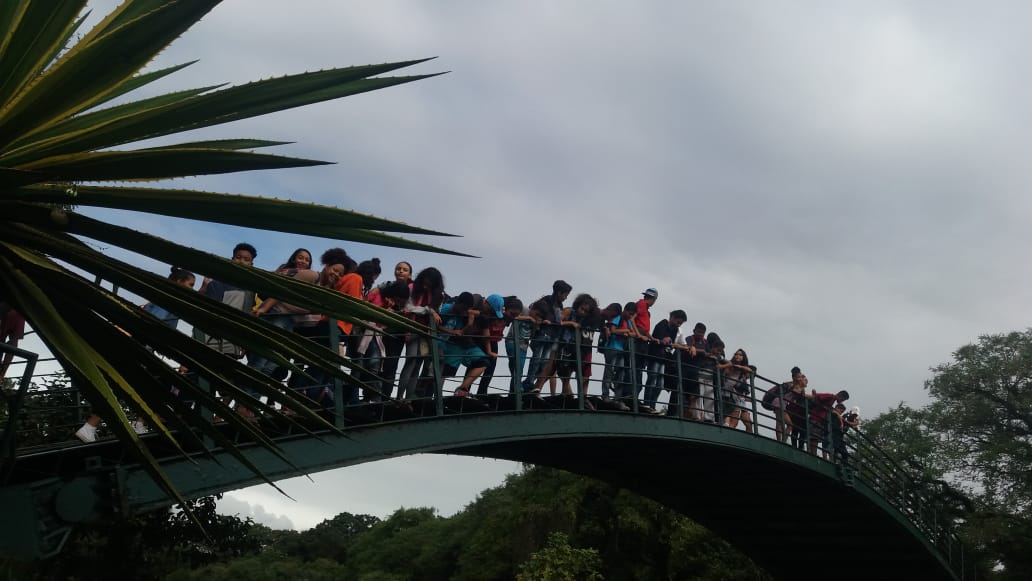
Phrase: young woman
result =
(795, 410)
(393, 339)
(370, 344)
(281, 314)
(425, 298)
(300, 259)
(582, 318)
(737, 374)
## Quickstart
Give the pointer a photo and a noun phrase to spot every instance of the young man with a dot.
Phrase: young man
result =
(643, 324)
(545, 341)
(660, 355)
(238, 298)
(822, 404)
(496, 312)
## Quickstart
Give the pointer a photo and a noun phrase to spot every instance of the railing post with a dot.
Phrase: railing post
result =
(680, 385)
(718, 397)
(635, 373)
(206, 414)
(435, 359)
(806, 421)
(515, 368)
(829, 437)
(9, 444)
(780, 429)
(338, 383)
(752, 398)
(577, 371)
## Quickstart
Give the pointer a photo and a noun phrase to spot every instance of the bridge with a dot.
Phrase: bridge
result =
(773, 501)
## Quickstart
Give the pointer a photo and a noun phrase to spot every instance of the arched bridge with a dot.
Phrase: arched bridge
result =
(778, 504)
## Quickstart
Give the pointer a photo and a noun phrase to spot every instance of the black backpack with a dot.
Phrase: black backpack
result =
(773, 393)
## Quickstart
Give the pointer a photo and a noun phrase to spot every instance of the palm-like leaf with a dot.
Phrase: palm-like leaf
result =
(55, 138)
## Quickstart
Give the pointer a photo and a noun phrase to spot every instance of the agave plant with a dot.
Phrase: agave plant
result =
(67, 120)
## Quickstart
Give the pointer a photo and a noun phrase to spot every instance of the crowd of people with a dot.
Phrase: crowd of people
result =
(546, 341)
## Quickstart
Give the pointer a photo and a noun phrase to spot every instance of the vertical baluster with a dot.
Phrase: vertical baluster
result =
(435, 359)
(635, 374)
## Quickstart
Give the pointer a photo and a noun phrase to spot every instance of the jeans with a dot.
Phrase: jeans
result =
(517, 358)
(542, 346)
(616, 373)
(370, 362)
(417, 351)
(654, 383)
(259, 362)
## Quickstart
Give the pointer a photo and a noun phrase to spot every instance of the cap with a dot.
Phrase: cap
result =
(497, 304)
(651, 293)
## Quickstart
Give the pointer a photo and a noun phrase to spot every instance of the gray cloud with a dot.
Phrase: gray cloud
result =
(233, 506)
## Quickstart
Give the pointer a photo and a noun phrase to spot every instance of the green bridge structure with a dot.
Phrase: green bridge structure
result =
(795, 514)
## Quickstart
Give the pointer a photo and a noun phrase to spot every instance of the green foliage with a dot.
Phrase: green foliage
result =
(330, 539)
(558, 561)
(541, 524)
(976, 437)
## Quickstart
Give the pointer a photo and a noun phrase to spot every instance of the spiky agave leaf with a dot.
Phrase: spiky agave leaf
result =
(57, 131)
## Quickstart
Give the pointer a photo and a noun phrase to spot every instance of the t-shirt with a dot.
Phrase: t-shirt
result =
(663, 330)
(618, 342)
(162, 315)
(456, 322)
(643, 320)
(351, 285)
(822, 404)
(526, 329)
(228, 294)
(702, 363)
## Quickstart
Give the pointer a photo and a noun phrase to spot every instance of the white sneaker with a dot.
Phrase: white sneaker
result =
(87, 433)
(139, 427)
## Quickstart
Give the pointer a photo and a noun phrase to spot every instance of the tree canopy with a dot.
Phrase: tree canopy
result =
(974, 442)
(541, 524)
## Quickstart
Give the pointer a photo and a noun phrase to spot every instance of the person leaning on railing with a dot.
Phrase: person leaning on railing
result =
(544, 343)
(737, 389)
(425, 298)
(821, 405)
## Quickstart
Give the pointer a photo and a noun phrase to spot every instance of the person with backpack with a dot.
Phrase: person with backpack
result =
(774, 400)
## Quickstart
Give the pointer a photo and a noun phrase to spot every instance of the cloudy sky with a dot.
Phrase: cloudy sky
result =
(834, 185)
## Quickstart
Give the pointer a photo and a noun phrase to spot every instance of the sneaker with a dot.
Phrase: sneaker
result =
(462, 392)
(533, 391)
(87, 433)
(139, 427)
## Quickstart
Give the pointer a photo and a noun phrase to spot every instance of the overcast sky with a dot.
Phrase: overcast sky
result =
(834, 185)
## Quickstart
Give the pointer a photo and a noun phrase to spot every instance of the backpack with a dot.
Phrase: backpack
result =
(773, 393)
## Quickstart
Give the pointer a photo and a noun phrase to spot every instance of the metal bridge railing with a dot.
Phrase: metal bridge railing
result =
(43, 410)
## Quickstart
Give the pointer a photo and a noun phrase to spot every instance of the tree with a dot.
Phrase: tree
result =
(66, 117)
(558, 561)
(975, 437)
